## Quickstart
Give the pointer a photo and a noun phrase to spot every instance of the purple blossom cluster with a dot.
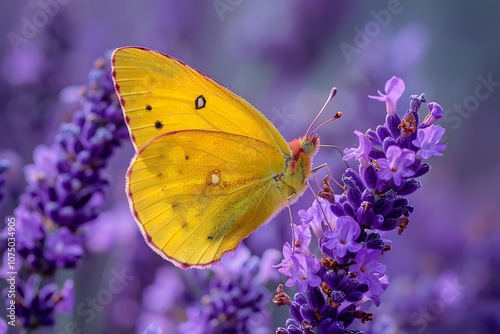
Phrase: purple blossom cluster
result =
(65, 190)
(350, 227)
(234, 296)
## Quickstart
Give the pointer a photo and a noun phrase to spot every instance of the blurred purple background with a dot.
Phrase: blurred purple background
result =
(284, 57)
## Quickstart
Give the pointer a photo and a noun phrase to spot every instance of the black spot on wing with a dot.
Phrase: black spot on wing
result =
(158, 125)
(149, 107)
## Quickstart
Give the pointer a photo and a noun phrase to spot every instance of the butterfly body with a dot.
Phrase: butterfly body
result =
(209, 169)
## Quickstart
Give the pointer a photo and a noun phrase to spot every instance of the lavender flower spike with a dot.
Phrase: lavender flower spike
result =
(65, 191)
(348, 273)
(234, 300)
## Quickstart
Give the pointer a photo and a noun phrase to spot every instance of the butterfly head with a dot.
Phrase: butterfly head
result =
(299, 164)
(303, 150)
(310, 144)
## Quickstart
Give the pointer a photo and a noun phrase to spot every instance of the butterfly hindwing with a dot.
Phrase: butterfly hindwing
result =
(196, 193)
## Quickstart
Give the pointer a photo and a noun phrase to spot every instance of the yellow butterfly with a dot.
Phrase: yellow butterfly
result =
(209, 168)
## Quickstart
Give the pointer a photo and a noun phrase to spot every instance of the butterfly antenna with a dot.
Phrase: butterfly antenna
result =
(330, 97)
(337, 116)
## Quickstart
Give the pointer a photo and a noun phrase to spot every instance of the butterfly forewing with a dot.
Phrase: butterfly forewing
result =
(160, 94)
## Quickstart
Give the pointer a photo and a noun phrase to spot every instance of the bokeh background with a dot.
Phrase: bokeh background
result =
(284, 56)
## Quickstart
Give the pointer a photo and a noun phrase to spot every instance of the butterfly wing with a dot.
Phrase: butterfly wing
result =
(160, 94)
(197, 194)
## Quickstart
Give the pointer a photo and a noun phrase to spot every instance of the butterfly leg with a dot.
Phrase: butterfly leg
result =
(288, 205)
